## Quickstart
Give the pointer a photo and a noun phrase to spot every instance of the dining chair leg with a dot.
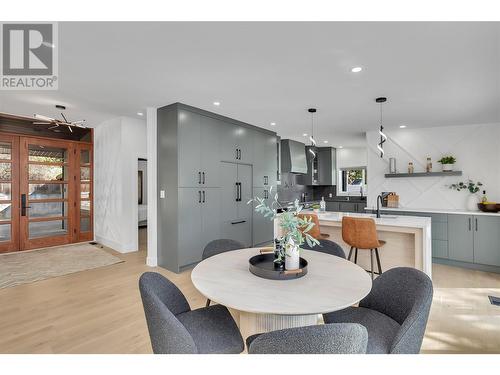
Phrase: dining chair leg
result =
(356, 255)
(378, 262)
(371, 261)
(208, 303)
(350, 253)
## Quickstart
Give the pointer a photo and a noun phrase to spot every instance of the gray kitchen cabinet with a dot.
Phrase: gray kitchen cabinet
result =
(189, 139)
(263, 227)
(440, 249)
(197, 226)
(265, 162)
(487, 240)
(333, 206)
(460, 238)
(238, 230)
(246, 191)
(321, 166)
(189, 219)
(198, 144)
(236, 143)
(230, 190)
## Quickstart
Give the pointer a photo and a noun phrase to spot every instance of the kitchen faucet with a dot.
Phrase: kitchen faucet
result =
(379, 202)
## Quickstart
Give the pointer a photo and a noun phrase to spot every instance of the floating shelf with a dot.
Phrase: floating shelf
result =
(424, 174)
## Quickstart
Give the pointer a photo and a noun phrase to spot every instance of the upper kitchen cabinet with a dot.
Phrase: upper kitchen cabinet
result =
(236, 143)
(198, 144)
(265, 162)
(321, 166)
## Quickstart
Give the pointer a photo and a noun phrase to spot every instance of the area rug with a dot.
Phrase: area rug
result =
(28, 266)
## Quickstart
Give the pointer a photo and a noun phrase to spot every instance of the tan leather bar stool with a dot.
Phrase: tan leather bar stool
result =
(361, 233)
(315, 231)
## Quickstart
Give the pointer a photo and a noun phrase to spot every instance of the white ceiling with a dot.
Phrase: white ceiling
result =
(434, 74)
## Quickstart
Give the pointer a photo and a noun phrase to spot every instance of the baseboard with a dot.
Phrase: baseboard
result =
(115, 245)
(152, 261)
(472, 266)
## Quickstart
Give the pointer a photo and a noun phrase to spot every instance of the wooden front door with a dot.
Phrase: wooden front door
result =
(47, 182)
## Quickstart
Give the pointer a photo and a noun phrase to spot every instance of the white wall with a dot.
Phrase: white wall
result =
(351, 157)
(476, 148)
(118, 143)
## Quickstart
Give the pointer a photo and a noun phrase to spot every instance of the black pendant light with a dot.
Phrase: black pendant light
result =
(383, 137)
(312, 111)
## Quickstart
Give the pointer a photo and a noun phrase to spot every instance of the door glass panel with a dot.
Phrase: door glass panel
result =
(5, 150)
(85, 208)
(47, 172)
(5, 211)
(85, 224)
(5, 192)
(48, 191)
(85, 173)
(84, 191)
(5, 232)
(5, 171)
(51, 228)
(85, 157)
(48, 209)
(47, 154)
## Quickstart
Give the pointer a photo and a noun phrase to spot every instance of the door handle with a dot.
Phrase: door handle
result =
(203, 196)
(239, 191)
(476, 223)
(469, 225)
(240, 153)
(199, 177)
(203, 174)
(236, 154)
(199, 196)
(23, 205)
(238, 222)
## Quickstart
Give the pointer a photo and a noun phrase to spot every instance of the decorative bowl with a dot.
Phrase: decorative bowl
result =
(489, 207)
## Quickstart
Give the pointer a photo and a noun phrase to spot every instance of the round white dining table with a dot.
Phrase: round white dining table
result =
(261, 305)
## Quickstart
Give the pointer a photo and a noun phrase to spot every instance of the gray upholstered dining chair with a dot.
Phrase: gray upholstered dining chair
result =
(321, 339)
(220, 246)
(176, 329)
(395, 312)
(327, 247)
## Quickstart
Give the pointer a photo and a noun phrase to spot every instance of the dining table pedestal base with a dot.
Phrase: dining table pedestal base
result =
(251, 323)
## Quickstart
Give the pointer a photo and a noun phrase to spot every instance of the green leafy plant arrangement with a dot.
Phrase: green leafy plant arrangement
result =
(447, 160)
(470, 185)
(294, 228)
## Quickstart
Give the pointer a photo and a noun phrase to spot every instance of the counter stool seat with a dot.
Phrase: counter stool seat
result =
(361, 233)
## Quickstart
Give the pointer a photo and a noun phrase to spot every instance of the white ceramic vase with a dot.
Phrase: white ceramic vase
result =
(292, 256)
(447, 167)
(472, 201)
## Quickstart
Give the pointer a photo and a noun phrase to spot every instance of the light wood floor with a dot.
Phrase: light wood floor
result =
(100, 311)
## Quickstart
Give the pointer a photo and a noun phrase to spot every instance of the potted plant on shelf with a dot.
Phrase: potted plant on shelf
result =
(447, 163)
(294, 229)
(473, 188)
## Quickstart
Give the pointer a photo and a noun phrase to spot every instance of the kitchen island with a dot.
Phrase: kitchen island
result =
(408, 239)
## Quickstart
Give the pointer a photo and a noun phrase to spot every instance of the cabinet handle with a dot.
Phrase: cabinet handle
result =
(239, 191)
(203, 196)
(469, 225)
(476, 224)
(199, 196)
(203, 174)
(236, 154)
(199, 177)
(239, 153)
(238, 222)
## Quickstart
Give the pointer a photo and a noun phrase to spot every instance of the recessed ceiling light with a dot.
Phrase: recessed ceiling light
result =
(325, 141)
(356, 69)
(402, 126)
(305, 134)
(140, 114)
(273, 124)
(341, 147)
(217, 103)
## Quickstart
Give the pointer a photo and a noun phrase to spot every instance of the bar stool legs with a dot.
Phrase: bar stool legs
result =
(377, 257)
(371, 261)
(350, 253)
(378, 262)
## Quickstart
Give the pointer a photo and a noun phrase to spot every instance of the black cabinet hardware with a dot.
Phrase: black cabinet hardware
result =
(203, 196)
(199, 177)
(239, 191)
(476, 224)
(238, 222)
(469, 225)
(203, 180)
(199, 196)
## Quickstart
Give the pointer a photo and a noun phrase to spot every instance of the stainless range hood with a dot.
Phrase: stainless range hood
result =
(293, 157)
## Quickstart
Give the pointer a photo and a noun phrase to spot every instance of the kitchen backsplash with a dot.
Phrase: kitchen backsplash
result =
(292, 188)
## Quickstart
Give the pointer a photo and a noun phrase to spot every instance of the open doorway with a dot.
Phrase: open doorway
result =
(142, 201)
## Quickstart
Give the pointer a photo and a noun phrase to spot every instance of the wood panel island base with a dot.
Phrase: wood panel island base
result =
(408, 239)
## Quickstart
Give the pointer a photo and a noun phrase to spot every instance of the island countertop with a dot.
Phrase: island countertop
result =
(435, 211)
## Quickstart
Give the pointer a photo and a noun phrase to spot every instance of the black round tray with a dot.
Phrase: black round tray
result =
(263, 266)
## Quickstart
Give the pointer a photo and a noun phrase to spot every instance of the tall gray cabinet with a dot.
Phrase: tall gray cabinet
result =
(209, 166)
